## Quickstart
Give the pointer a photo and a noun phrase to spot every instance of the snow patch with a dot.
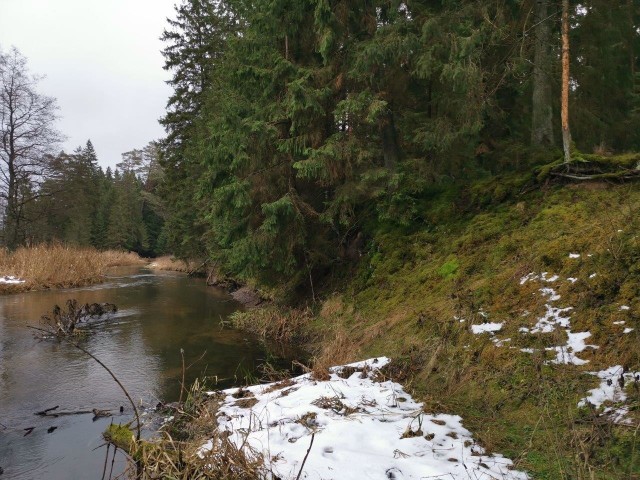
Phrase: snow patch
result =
(543, 276)
(10, 279)
(550, 293)
(554, 317)
(486, 328)
(611, 390)
(566, 354)
(361, 428)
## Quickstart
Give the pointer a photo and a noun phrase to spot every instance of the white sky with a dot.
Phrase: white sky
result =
(102, 63)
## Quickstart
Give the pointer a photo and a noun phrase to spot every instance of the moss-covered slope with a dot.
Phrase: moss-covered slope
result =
(415, 297)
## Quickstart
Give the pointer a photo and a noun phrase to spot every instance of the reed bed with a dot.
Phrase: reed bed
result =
(59, 266)
(273, 323)
(173, 264)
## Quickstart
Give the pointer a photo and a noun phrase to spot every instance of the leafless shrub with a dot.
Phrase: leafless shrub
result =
(62, 322)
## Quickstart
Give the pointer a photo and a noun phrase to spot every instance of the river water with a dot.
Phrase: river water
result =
(158, 314)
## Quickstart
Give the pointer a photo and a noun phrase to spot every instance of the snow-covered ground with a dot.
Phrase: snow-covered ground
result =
(610, 396)
(10, 279)
(611, 391)
(554, 318)
(354, 425)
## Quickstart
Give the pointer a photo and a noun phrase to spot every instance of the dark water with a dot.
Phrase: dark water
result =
(158, 315)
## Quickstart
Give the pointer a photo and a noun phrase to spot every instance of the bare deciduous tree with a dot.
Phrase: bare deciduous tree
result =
(28, 136)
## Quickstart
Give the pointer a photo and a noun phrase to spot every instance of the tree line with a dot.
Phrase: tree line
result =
(82, 204)
(67, 197)
(295, 127)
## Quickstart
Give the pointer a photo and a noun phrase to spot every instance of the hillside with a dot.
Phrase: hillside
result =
(502, 309)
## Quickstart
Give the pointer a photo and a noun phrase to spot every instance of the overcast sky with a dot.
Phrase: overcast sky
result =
(102, 63)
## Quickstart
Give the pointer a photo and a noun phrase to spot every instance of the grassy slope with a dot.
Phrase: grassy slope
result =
(402, 300)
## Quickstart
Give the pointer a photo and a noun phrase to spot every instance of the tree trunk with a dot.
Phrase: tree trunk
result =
(11, 218)
(390, 147)
(542, 118)
(632, 37)
(566, 133)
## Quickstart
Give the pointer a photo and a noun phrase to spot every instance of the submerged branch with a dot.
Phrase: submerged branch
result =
(124, 390)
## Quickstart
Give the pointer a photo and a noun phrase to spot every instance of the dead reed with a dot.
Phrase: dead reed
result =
(179, 451)
(59, 266)
(173, 264)
(282, 325)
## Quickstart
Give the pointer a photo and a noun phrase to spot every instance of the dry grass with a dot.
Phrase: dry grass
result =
(339, 347)
(58, 266)
(178, 452)
(288, 326)
(117, 258)
(173, 264)
(168, 458)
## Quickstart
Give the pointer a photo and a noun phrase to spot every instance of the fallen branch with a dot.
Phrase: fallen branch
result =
(63, 413)
(44, 412)
(64, 322)
(631, 175)
(305, 457)
(124, 390)
(197, 269)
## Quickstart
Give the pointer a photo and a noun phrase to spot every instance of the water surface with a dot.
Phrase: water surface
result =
(158, 314)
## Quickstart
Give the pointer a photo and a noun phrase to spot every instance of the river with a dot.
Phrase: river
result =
(158, 314)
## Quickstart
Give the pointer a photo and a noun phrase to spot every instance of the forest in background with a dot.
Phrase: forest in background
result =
(50, 196)
(81, 204)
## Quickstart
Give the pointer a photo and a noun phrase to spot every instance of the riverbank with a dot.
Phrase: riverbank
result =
(171, 264)
(345, 423)
(57, 266)
(246, 295)
(518, 311)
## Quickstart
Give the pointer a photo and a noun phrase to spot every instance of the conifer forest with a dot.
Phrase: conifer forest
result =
(297, 129)
(449, 189)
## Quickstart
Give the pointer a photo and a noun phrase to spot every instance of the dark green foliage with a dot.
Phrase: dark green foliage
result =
(82, 205)
(126, 227)
(70, 205)
(297, 129)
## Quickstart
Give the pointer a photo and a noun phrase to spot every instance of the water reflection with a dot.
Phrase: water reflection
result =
(159, 314)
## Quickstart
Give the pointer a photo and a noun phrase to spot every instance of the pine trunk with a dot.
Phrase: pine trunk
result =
(632, 38)
(389, 136)
(542, 117)
(566, 133)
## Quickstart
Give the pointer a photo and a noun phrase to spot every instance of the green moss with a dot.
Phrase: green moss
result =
(449, 269)
(398, 304)
(119, 435)
(515, 403)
